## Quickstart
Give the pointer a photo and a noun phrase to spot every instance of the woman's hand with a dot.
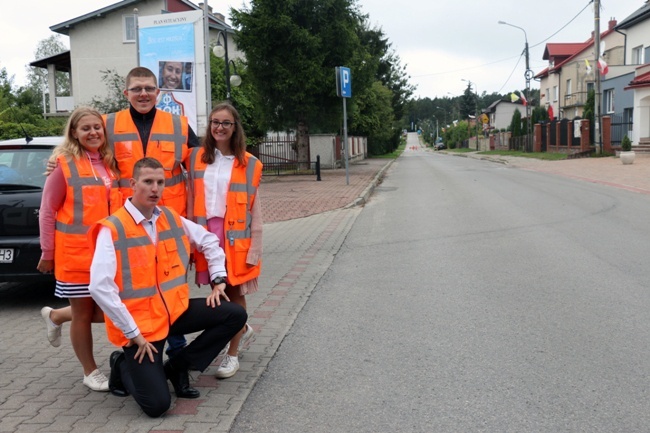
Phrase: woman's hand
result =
(45, 266)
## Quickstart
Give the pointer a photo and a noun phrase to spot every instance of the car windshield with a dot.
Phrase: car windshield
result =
(23, 166)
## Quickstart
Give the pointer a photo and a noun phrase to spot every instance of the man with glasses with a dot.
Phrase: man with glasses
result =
(143, 130)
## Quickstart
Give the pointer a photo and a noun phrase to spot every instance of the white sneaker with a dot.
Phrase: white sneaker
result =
(96, 381)
(53, 331)
(244, 338)
(228, 368)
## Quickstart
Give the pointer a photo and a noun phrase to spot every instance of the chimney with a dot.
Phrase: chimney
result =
(219, 16)
(612, 23)
(209, 7)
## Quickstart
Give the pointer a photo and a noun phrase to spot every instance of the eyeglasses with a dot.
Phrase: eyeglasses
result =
(225, 124)
(147, 89)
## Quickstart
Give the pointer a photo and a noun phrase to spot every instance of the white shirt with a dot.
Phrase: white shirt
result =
(216, 181)
(103, 288)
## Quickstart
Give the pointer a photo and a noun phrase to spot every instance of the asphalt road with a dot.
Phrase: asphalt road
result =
(472, 297)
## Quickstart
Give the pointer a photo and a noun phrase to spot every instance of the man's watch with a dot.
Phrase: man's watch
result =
(219, 280)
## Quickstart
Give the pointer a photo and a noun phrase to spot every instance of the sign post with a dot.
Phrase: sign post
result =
(344, 91)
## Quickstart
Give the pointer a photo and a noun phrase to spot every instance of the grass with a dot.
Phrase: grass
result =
(546, 156)
(394, 154)
(460, 150)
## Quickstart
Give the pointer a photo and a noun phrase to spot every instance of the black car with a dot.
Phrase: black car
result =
(22, 165)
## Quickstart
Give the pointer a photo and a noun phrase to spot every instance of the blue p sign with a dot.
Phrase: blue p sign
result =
(343, 82)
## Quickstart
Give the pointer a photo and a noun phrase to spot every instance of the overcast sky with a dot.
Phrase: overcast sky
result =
(441, 42)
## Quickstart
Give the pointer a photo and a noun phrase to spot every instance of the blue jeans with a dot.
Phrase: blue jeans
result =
(174, 344)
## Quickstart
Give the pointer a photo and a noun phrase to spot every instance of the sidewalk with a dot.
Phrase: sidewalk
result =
(289, 197)
(607, 170)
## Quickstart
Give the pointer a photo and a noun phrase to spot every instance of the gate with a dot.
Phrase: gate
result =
(544, 129)
(564, 128)
(278, 154)
(621, 125)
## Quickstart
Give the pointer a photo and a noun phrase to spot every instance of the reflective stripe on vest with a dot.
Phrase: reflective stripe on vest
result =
(176, 137)
(123, 244)
(113, 137)
(77, 183)
(250, 190)
(196, 174)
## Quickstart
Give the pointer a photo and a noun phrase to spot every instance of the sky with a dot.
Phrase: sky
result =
(441, 43)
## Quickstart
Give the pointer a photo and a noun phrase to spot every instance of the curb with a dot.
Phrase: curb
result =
(363, 198)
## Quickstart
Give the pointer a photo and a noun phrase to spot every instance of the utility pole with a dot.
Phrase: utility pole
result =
(597, 90)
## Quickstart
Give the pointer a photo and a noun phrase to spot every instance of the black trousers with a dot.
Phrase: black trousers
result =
(146, 381)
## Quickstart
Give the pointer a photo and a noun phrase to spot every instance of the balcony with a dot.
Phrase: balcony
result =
(576, 99)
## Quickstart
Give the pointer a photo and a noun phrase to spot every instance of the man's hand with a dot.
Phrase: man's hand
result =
(144, 348)
(51, 165)
(218, 291)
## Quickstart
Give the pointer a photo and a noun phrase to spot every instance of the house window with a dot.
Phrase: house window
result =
(637, 55)
(568, 87)
(548, 94)
(608, 97)
(590, 86)
(128, 28)
(554, 93)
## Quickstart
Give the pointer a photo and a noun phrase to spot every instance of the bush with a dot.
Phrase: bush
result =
(626, 144)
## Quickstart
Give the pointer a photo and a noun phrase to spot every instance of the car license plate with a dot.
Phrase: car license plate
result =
(6, 255)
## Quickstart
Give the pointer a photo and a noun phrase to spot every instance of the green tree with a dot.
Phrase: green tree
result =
(292, 49)
(515, 124)
(37, 79)
(114, 99)
(378, 76)
(589, 113)
(467, 103)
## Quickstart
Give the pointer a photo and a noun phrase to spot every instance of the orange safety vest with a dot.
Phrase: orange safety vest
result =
(85, 203)
(244, 181)
(151, 278)
(167, 143)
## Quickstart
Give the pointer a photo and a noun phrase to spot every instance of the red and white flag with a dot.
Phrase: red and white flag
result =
(523, 99)
(602, 66)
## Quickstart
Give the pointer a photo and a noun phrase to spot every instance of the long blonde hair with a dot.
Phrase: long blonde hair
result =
(71, 147)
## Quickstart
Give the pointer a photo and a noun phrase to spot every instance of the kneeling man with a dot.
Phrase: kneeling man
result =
(138, 277)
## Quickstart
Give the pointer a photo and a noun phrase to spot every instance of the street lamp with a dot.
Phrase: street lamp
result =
(222, 51)
(477, 116)
(529, 76)
(444, 111)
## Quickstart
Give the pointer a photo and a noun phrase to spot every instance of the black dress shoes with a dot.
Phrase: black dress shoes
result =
(115, 385)
(180, 381)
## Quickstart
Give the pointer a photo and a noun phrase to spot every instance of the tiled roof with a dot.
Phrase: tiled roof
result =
(64, 27)
(564, 49)
(642, 80)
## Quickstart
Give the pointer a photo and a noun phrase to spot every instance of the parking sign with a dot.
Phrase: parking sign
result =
(343, 82)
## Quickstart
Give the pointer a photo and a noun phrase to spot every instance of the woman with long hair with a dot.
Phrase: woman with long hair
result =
(81, 190)
(225, 179)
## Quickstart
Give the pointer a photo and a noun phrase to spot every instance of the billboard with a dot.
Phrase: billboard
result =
(171, 45)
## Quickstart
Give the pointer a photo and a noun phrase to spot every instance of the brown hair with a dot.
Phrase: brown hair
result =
(146, 162)
(139, 72)
(71, 147)
(237, 140)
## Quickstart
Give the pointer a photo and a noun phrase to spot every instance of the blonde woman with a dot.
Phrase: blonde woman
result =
(81, 190)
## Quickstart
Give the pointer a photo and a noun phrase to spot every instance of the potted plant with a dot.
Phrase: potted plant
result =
(627, 155)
